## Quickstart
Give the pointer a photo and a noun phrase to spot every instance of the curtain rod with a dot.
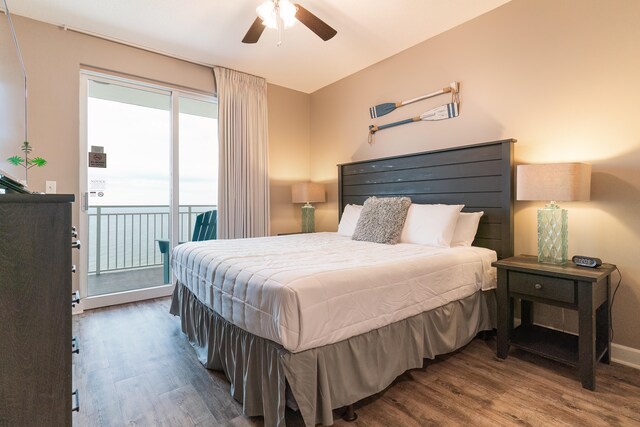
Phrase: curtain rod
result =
(147, 49)
(126, 43)
(137, 46)
(134, 45)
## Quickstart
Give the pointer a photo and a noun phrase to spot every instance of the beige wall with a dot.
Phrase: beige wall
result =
(53, 59)
(11, 92)
(288, 154)
(559, 76)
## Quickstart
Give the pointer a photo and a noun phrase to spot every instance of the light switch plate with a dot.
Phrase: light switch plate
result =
(50, 187)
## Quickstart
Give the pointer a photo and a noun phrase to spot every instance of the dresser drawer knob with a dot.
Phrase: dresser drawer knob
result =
(76, 244)
(76, 404)
(538, 286)
(73, 268)
(75, 298)
(75, 347)
(74, 232)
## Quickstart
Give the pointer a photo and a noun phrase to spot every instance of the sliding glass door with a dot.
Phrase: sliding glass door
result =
(198, 161)
(148, 164)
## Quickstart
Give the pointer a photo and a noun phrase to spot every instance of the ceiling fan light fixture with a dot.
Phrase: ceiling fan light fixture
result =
(281, 14)
(266, 11)
(270, 9)
(287, 13)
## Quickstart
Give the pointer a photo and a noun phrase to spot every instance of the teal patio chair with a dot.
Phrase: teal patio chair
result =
(206, 228)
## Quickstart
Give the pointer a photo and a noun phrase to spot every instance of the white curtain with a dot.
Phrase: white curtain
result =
(243, 182)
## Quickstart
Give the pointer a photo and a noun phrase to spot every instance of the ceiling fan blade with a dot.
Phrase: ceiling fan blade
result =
(254, 32)
(314, 23)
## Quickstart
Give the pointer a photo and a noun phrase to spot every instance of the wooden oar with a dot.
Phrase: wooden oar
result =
(442, 112)
(382, 109)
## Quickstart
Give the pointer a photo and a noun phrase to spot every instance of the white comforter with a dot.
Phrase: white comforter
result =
(309, 290)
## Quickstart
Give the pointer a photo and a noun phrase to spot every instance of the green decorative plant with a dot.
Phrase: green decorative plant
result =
(26, 161)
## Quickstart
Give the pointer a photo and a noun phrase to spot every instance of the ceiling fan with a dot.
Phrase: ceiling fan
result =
(280, 14)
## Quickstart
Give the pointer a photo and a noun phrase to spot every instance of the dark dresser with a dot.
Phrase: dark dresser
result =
(35, 310)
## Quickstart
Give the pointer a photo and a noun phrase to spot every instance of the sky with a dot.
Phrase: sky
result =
(137, 141)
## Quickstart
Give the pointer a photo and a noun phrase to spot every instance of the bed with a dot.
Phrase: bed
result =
(293, 320)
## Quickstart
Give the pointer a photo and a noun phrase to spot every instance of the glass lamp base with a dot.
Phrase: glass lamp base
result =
(308, 219)
(553, 247)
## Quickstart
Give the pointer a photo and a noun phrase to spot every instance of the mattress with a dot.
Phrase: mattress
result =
(309, 290)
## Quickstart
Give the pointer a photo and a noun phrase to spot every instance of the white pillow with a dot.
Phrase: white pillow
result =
(466, 228)
(349, 220)
(431, 225)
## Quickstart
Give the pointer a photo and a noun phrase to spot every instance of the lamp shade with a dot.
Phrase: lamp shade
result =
(307, 192)
(554, 181)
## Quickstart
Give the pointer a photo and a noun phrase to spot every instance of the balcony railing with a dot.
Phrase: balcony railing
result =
(125, 237)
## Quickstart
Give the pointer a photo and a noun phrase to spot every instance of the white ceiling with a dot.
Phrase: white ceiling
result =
(211, 31)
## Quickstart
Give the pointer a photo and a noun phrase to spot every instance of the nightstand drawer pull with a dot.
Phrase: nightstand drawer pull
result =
(544, 287)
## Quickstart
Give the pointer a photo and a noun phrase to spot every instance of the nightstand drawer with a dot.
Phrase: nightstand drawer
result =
(551, 288)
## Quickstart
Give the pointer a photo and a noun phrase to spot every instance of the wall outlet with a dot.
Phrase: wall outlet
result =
(50, 187)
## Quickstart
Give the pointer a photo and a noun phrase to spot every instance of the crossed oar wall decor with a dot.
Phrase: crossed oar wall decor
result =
(442, 112)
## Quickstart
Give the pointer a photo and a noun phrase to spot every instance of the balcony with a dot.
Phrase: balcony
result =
(123, 248)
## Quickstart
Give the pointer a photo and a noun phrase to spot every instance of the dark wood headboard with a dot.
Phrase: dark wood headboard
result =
(480, 176)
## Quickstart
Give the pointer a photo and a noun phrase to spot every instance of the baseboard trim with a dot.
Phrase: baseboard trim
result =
(624, 355)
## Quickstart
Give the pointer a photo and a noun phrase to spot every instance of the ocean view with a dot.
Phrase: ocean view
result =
(126, 236)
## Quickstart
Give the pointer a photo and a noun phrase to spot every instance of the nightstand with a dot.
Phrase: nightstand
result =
(586, 290)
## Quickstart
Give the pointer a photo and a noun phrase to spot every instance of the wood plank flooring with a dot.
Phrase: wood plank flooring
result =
(136, 368)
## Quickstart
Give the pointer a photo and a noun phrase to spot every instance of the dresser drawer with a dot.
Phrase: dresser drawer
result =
(550, 288)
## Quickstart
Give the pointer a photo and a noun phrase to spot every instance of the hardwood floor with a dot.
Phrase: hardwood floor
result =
(136, 368)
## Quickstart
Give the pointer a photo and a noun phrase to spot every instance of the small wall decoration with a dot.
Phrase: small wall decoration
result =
(26, 161)
(443, 112)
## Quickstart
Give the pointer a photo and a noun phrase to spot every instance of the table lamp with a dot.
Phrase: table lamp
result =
(307, 192)
(553, 182)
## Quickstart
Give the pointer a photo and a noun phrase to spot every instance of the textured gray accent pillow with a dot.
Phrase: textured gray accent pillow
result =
(381, 220)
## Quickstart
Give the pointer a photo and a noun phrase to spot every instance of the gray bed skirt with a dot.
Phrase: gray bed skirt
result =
(329, 377)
